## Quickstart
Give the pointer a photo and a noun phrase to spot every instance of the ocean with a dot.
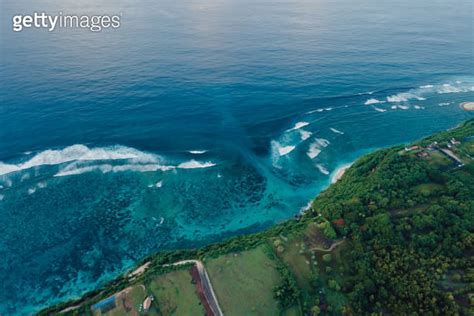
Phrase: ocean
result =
(199, 120)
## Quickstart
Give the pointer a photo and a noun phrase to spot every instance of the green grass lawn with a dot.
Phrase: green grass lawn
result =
(244, 282)
(294, 253)
(439, 159)
(175, 294)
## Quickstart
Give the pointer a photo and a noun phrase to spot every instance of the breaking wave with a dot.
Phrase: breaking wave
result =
(80, 159)
(313, 151)
(106, 168)
(322, 142)
(305, 134)
(193, 164)
(322, 169)
(404, 97)
(283, 150)
(315, 148)
(78, 153)
(336, 131)
(423, 92)
(373, 101)
(298, 126)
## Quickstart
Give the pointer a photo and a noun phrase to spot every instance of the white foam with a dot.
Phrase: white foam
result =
(418, 107)
(80, 170)
(403, 107)
(42, 185)
(305, 134)
(315, 148)
(2, 197)
(404, 97)
(5, 168)
(298, 126)
(322, 142)
(373, 101)
(393, 107)
(78, 153)
(279, 150)
(444, 103)
(365, 93)
(448, 88)
(197, 152)
(306, 208)
(31, 190)
(425, 90)
(328, 109)
(74, 169)
(313, 151)
(379, 109)
(336, 131)
(106, 168)
(285, 150)
(193, 164)
(314, 111)
(322, 169)
(159, 184)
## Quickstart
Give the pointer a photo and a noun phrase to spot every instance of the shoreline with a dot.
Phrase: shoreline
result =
(163, 259)
(340, 172)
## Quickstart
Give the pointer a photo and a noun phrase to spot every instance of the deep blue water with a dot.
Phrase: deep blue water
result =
(102, 135)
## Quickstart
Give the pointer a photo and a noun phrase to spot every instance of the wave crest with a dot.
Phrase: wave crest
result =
(79, 153)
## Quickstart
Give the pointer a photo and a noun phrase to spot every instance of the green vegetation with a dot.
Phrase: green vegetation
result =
(243, 282)
(410, 222)
(393, 237)
(176, 294)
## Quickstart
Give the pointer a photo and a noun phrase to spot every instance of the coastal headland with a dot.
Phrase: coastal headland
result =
(392, 235)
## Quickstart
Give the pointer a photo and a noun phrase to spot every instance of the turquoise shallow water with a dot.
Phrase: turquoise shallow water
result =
(196, 121)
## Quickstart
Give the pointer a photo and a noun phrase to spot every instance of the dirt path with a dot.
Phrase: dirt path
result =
(331, 248)
(206, 284)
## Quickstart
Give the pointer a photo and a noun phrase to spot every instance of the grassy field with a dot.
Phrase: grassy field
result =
(312, 273)
(294, 253)
(175, 294)
(244, 282)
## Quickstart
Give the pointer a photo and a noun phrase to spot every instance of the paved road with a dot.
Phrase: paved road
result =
(206, 284)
